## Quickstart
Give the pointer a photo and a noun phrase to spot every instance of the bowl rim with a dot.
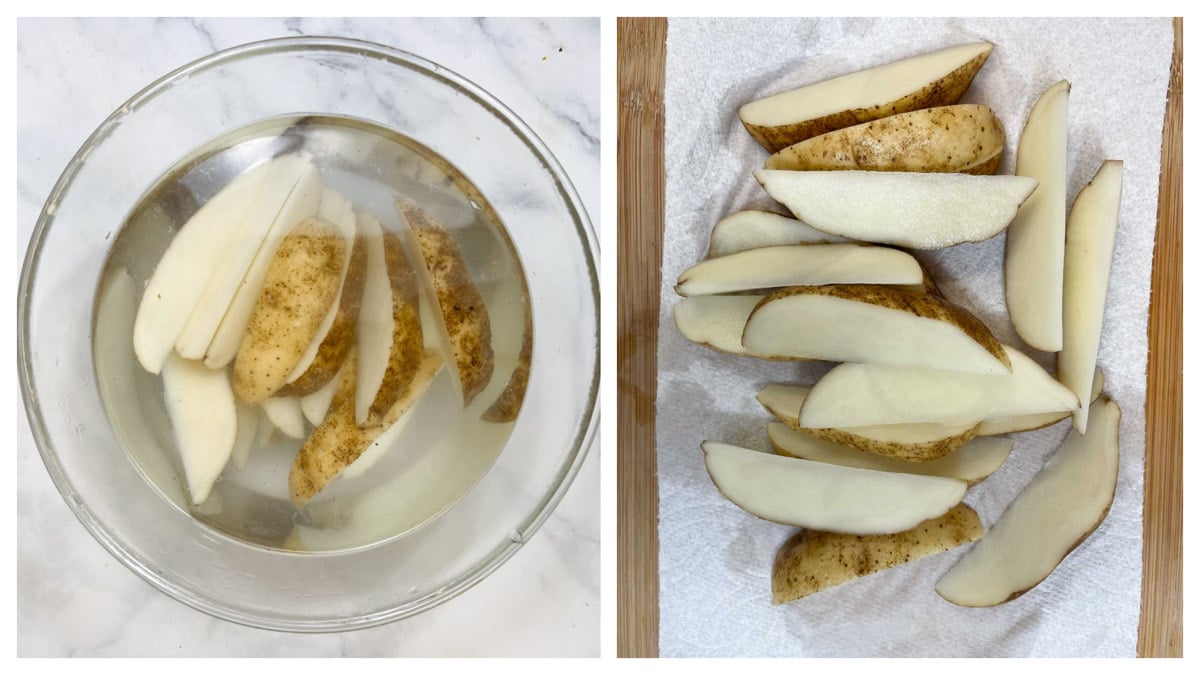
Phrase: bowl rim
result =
(586, 429)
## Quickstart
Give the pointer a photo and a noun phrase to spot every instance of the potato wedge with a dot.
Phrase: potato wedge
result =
(935, 78)
(755, 228)
(204, 421)
(915, 210)
(948, 139)
(408, 342)
(299, 287)
(799, 265)
(812, 561)
(508, 405)
(973, 462)
(1053, 515)
(1008, 425)
(866, 323)
(465, 329)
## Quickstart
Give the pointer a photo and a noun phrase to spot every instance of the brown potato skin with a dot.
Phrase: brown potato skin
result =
(508, 405)
(334, 444)
(908, 452)
(947, 139)
(340, 338)
(812, 561)
(408, 342)
(945, 91)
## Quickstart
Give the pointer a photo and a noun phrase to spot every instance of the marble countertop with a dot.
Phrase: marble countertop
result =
(73, 598)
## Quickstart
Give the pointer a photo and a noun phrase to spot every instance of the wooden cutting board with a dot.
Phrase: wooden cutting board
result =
(641, 64)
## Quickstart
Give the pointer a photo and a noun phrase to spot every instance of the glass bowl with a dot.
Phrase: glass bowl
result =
(196, 564)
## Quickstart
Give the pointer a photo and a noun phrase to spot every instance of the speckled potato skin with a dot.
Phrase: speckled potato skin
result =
(334, 444)
(340, 338)
(408, 342)
(927, 305)
(945, 91)
(812, 561)
(908, 452)
(301, 284)
(947, 139)
(508, 405)
(461, 305)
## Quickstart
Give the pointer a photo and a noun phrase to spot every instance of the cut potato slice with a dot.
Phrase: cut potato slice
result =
(973, 462)
(1091, 235)
(873, 324)
(858, 394)
(285, 415)
(1053, 515)
(916, 210)
(187, 267)
(1008, 425)
(923, 81)
(827, 497)
(755, 228)
(316, 405)
(282, 177)
(301, 203)
(465, 329)
(299, 288)
(376, 320)
(947, 139)
(247, 433)
(799, 265)
(1033, 254)
(408, 342)
(266, 430)
(716, 321)
(920, 442)
(813, 561)
(204, 421)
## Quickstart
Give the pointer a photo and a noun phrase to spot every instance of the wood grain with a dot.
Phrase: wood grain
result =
(1160, 632)
(641, 72)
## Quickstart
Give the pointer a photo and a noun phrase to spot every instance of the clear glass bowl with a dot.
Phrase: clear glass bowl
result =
(196, 564)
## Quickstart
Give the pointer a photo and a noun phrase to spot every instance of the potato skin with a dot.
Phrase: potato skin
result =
(301, 284)
(947, 139)
(408, 342)
(908, 452)
(334, 444)
(812, 561)
(945, 91)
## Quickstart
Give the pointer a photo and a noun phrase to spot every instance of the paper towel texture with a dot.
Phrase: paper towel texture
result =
(715, 560)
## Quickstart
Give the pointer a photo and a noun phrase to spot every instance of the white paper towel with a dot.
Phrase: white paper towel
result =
(715, 560)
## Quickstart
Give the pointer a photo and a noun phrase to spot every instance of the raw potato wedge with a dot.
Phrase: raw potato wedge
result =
(466, 329)
(812, 561)
(799, 265)
(932, 79)
(1053, 515)
(1091, 235)
(948, 139)
(1008, 425)
(972, 462)
(755, 228)
(920, 442)
(247, 432)
(285, 415)
(299, 287)
(508, 405)
(1033, 253)
(204, 421)
(376, 320)
(827, 497)
(408, 342)
(860, 394)
(873, 324)
(315, 405)
(716, 321)
(915, 210)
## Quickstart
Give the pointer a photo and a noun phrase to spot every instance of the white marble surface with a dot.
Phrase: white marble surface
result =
(75, 599)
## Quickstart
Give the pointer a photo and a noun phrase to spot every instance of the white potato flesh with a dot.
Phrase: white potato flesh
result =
(784, 402)
(800, 265)
(826, 497)
(751, 229)
(397, 416)
(188, 265)
(247, 432)
(859, 394)
(973, 462)
(833, 328)
(280, 180)
(204, 421)
(1091, 235)
(1008, 425)
(286, 415)
(315, 405)
(301, 203)
(1033, 254)
(915, 210)
(338, 210)
(1064, 503)
(862, 89)
(376, 322)
(716, 320)
(266, 429)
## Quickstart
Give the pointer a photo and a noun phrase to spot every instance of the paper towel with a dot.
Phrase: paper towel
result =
(715, 560)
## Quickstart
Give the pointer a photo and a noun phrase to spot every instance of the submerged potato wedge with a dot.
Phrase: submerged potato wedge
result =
(812, 561)
(926, 80)
(947, 139)
(465, 327)
(408, 341)
(300, 286)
